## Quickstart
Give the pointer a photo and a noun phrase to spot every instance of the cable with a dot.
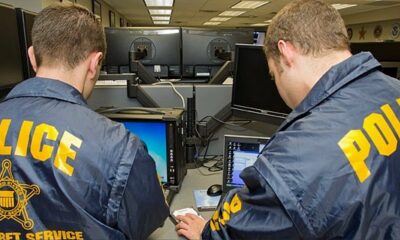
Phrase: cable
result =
(214, 169)
(227, 123)
(176, 91)
(129, 109)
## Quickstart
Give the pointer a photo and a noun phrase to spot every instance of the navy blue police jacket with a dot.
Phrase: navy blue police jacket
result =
(331, 171)
(70, 173)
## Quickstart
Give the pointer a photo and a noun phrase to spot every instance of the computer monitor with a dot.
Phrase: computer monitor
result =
(158, 49)
(10, 50)
(154, 134)
(25, 21)
(239, 152)
(205, 50)
(387, 53)
(254, 93)
(382, 51)
(162, 132)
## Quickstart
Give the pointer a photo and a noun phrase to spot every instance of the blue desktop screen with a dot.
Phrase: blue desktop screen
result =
(240, 156)
(154, 134)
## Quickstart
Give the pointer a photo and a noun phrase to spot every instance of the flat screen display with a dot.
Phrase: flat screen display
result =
(25, 24)
(156, 46)
(239, 156)
(154, 134)
(253, 90)
(10, 51)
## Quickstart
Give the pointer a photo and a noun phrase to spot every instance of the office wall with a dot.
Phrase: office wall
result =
(375, 26)
(105, 10)
(38, 5)
(376, 31)
(30, 5)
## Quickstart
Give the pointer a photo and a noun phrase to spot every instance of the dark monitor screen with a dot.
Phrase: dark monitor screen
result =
(154, 134)
(205, 50)
(382, 51)
(10, 51)
(150, 46)
(25, 24)
(387, 53)
(254, 93)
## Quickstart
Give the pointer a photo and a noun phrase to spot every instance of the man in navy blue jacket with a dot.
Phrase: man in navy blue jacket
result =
(331, 169)
(66, 171)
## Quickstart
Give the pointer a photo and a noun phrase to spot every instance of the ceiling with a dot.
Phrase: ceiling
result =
(197, 12)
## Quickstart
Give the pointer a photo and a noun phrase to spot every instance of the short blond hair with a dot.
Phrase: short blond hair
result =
(66, 34)
(313, 26)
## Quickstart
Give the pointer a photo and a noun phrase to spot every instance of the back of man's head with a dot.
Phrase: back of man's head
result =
(65, 34)
(313, 26)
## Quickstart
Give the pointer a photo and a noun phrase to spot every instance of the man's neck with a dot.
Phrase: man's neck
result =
(318, 66)
(67, 76)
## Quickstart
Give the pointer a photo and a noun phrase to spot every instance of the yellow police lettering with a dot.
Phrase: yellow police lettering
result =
(212, 226)
(44, 152)
(394, 121)
(356, 147)
(380, 134)
(65, 152)
(236, 204)
(4, 126)
(79, 236)
(214, 221)
(42, 145)
(23, 139)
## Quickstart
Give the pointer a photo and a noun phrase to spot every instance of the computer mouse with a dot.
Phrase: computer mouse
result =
(214, 190)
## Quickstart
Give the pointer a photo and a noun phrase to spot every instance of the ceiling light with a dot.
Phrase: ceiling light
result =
(160, 11)
(268, 21)
(259, 24)
(161, 22)
(165, 31)
(159, 3)
(161, 18)
(231, 13)
(211, 23)
(250, 4)
(219, 19)
(339, 6)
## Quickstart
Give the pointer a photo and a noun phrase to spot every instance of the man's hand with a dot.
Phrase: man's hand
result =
(190, 226)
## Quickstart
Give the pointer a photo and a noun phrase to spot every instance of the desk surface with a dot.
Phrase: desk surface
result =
(194, 180)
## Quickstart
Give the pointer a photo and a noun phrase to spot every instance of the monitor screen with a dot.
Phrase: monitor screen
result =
(25, 24)
(154, 134)
(240, 152)
(382, 51)
(254, 93)
(10, 51)
(204, 50)
(150, 46)
(387, 53)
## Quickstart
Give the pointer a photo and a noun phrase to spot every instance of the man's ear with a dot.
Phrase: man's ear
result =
(287, 51)
(32, 59)
(95, 61)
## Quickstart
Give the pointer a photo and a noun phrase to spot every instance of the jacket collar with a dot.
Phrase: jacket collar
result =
(48, 88)
(336, 77)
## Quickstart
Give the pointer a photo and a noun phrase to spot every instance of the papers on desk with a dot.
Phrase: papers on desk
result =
(205, 202)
